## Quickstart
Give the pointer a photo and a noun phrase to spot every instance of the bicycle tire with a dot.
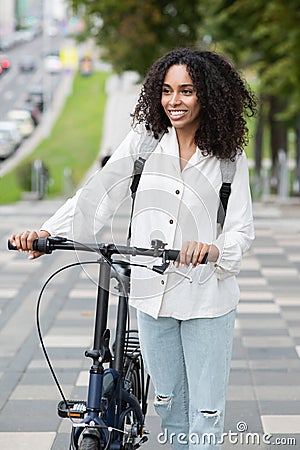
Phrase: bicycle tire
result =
(130, 419)
(132, 364)
(136, 381)
(89, 443)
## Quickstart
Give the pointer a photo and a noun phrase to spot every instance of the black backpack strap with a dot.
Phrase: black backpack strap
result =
(228, 168)
(147, 146)
(138, 168)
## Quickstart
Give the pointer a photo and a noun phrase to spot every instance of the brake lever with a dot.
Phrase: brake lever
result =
(165, 263)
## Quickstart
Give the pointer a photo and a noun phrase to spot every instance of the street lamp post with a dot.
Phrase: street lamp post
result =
(46, 80)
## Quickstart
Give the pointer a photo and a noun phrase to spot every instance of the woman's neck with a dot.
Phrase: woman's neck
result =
(186, 145)
(186, 139)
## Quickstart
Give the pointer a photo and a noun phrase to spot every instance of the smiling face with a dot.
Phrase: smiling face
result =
(179, 99)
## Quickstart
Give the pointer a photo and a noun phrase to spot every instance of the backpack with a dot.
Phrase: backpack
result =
(148, 146)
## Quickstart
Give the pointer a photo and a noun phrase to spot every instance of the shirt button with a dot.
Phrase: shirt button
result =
(162, 282)
(171, 221)
(177, 191)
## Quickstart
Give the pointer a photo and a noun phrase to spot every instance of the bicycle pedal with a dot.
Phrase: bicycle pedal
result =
(75, 409)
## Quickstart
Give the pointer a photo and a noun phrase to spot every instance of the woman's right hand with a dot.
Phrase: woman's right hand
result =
(24, 241)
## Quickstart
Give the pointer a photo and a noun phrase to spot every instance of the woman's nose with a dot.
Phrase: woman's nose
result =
(175, 99)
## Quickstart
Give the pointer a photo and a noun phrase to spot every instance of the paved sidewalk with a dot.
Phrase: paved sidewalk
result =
(264, 391)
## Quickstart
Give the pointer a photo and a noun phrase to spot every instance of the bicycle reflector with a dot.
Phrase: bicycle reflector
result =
(74, 409)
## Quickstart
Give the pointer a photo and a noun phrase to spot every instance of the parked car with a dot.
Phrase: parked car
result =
(33, 110)
(4, 62)
(7, 146)
(52, 63)
(23, 121)
(10, 129)
(27, 64)
(25, 35)
(36, 96)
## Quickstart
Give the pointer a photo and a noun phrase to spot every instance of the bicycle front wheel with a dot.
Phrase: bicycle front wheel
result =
(89, 443)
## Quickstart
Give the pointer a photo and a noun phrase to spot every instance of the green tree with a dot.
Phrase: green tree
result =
(133, 33)
(265, 35)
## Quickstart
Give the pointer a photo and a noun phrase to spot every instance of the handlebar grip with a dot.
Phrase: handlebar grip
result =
(10, 246)
(41, 245)
(38, 245)
(173, 255)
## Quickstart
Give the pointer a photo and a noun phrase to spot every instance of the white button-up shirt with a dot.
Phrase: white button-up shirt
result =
(174, 206)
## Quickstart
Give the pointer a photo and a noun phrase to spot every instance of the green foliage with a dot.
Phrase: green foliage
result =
(23, 173)
(265, 35)
(133, 33)
(10, 190)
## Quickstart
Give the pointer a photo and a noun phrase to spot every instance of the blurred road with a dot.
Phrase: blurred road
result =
(264, 390)
(16, 84)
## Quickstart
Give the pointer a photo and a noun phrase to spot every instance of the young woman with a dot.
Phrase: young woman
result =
(196, 103)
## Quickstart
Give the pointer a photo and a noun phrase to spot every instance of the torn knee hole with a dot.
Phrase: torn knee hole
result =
(212, 414)
(163, 400)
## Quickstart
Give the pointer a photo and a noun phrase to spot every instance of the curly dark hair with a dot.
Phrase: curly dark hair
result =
(224, 96)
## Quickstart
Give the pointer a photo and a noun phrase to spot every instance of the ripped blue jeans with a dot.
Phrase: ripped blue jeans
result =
(189, 363)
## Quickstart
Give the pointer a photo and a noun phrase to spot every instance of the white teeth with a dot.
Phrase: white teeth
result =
(177, 113)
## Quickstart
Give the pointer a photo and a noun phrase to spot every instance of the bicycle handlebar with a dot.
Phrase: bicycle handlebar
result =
(49, 244)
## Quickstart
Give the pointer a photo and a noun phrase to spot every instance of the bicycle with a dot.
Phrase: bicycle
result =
(113, 415)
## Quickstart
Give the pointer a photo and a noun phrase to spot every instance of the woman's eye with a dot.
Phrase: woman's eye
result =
(166, 91)
(187, 91)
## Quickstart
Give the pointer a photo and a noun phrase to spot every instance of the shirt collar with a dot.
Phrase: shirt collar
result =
(170, 147)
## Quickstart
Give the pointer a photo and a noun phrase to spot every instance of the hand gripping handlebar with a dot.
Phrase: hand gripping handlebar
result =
(49, 244)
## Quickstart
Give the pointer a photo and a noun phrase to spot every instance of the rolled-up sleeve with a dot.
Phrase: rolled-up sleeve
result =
(61, 221)
(238, 231)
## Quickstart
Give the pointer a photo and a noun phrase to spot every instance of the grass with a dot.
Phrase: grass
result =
(74, 141)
